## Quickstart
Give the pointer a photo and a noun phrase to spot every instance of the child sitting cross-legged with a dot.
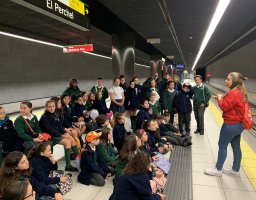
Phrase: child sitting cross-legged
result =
(93, 169)
(42, 161)
(105, 148)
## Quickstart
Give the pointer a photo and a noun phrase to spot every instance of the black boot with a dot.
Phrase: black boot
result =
(201, 132)
(197, 131)
(133, 121)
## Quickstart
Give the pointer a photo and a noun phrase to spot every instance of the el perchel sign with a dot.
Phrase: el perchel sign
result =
(61, 10)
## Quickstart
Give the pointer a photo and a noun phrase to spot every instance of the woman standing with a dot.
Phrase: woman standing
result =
(232, 106)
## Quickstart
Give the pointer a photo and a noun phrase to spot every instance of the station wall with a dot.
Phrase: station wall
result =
(33, 71)
(242, 60)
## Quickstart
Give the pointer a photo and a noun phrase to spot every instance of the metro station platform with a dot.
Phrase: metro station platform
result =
(204, 155)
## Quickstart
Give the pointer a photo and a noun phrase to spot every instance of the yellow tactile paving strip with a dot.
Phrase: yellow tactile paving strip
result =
(249, 156)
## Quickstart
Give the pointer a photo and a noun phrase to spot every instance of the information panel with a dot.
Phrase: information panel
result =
(78, 48)
(73, 11)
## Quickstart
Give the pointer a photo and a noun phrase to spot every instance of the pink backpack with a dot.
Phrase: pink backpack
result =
(158, 184)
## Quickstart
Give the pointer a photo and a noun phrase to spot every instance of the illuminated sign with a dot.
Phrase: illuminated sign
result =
(71, 12)
(78, 48)
(77, 6)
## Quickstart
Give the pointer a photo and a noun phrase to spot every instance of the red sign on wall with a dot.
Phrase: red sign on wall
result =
(78, 48)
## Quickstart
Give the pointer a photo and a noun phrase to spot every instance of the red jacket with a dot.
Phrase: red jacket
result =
(232, 106)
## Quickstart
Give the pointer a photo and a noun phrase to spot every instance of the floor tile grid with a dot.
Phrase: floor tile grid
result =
(205, 187)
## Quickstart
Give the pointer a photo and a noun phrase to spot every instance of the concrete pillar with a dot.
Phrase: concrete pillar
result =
(123, 55)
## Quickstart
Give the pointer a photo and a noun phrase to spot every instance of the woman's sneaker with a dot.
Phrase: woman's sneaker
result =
(231, 172)
(213, 172)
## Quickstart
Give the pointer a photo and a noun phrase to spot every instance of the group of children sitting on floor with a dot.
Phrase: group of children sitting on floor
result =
(68, 118)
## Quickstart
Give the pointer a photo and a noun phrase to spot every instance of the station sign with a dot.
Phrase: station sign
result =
(78, 48)
(72, 12)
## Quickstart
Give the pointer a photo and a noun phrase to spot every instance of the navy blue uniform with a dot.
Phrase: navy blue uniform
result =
(50, 123)
(91, 163)
(134, 187)
(119, 135)
(132, 97)
(42, 167)
(7, 135)
(183, 104)
(100, 105)
(142, 116)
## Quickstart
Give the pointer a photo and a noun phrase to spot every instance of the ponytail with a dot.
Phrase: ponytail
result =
(238, 82)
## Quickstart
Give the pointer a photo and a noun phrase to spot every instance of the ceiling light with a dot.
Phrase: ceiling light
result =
(142, 65)
(154, 40)
(222, 6)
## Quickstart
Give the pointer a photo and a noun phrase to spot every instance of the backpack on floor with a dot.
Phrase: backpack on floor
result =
(62, 187)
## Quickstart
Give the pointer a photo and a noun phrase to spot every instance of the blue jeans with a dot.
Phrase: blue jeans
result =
(230, 133)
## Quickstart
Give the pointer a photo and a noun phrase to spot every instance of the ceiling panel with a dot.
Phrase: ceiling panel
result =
(190, 20)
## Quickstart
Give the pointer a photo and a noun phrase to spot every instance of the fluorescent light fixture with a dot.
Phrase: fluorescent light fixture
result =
(222, 6)
(45, 43)
(142, 65)
(95, 54)
(30, 39)
(154, 40)
(170, 57)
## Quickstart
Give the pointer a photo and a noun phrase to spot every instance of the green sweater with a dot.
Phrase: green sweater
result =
(155, 108)
(71, 91)
(202, 95)
(108, 153)
(167, 100)
(23, 130)
(121, 164)
(103, 90)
